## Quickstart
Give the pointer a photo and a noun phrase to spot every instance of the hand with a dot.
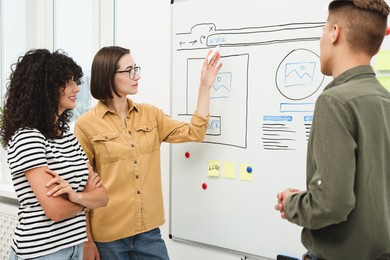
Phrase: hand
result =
(90, 251)
(282, 198)
(93, 180)
(59, 186)
(210, 70)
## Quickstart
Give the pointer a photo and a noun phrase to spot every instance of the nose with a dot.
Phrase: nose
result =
(137, 76)
(75, 87)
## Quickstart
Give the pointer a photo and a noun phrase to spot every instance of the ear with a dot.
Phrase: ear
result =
(336, 31)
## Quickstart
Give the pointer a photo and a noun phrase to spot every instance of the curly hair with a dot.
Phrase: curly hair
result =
(33, 91)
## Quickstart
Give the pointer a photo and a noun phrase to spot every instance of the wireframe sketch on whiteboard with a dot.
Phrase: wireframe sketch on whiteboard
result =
(222, 85)
(299, 75)
(261, 111)
(229, 89)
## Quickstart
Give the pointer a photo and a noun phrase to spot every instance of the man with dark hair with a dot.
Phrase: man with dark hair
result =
(345, 211)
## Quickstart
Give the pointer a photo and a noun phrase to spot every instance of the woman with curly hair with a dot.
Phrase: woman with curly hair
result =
(50, 172)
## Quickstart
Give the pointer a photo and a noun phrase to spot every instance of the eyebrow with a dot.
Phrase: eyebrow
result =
(132, 66)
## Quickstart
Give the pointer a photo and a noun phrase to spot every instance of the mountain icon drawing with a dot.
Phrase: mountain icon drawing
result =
(298, 74)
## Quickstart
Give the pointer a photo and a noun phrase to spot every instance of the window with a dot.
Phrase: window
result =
(80, 42)
(19, 23)
(77, 27)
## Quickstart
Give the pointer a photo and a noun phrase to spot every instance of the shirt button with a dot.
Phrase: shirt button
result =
(138, 192)
(135, 161)
(132, 145)
(129, 132)
(319, 182)
(136, 176)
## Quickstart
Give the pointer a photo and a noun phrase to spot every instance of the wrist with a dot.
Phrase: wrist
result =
(76, 198)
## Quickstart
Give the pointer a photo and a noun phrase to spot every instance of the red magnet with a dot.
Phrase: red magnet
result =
(387, 30)
(204, 186)
(187, 155)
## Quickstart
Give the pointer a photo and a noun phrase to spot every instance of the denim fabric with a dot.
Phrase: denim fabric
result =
(144, 246)
(70, 253)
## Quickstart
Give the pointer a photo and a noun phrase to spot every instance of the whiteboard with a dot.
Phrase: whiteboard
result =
(223, 190)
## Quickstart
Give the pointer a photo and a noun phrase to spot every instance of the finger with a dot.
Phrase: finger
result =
(206, 59)
(218, 67)
(62, 190)
(56, 180)
(52, 173)
(98, 181)
(52, 191)
(95, 178)
(214, 60)
(279, 207)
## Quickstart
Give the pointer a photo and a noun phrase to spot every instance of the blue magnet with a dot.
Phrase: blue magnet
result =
(249, 169)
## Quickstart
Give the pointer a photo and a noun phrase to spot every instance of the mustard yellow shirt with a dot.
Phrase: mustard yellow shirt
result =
(127, 158)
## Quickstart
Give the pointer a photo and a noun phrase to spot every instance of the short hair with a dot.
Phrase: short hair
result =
(32, 96)
(104, 67)
(364, 22)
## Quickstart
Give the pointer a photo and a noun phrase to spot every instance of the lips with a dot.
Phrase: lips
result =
(73, 98)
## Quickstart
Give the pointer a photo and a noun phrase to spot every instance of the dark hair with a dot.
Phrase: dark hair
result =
(364, 22)
(104, 67)
(32, 94)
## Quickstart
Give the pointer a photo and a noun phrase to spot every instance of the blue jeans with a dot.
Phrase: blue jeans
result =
(70, 253)
(144, 246)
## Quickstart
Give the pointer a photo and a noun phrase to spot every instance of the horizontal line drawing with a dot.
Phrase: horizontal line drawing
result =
(206, 35)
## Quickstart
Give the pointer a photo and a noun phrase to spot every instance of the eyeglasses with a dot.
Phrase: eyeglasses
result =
(132, 71)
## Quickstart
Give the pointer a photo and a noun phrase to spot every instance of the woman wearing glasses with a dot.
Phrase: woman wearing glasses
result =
(122, 140)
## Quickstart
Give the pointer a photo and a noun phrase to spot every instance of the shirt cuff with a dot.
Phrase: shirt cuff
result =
(199, 120)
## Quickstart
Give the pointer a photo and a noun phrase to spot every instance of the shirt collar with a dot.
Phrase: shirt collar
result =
(358, 71)
(102, 109)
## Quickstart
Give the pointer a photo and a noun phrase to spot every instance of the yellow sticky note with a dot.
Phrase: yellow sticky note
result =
(214, 168)
(382, 60)
(228, 170)
(246, 175)
(385, 81)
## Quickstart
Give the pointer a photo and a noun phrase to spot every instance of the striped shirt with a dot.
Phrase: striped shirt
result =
(36, 235)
